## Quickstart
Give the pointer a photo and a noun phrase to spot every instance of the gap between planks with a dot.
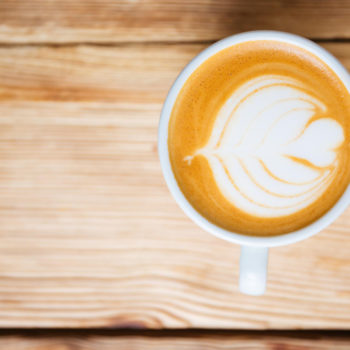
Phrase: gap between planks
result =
(146, 43)
(97, 339)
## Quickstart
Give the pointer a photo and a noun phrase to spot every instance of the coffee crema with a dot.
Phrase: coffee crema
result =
(259, 138)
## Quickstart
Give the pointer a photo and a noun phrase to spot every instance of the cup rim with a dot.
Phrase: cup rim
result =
(163, 152)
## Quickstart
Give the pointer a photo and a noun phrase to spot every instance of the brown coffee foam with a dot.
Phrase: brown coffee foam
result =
(199, 102)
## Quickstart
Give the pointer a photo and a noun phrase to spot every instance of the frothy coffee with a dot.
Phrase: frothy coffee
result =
(259, 138)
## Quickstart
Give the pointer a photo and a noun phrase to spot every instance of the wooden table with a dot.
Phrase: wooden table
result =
(90, 237)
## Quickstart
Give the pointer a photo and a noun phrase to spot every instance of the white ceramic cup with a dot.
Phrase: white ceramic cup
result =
(254, 250)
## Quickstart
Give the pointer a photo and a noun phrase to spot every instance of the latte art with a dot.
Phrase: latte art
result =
(268, 156)
(259, 138)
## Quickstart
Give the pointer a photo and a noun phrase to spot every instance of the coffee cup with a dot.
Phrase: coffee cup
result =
(254, 249)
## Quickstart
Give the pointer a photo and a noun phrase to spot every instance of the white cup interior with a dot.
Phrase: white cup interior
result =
(288, 238)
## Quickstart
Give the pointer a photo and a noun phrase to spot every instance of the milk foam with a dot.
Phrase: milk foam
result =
(268, 156)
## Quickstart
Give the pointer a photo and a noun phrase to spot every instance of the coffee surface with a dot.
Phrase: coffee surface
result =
(259, 138)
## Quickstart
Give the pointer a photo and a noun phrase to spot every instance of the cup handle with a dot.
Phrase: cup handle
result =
(253, 270)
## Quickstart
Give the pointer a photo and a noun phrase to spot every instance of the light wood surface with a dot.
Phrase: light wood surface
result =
(107, 21)
(244, 342)
(89, 233)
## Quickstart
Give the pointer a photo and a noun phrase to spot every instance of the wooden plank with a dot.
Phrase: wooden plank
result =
(108, 21)
(239, 342)
(89, 234)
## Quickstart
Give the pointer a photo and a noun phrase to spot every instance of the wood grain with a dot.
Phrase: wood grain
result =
(89, 234)
(235, 342)
(109, 21)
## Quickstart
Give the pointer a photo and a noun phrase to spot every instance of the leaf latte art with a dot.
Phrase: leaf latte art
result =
(259, 138)
(268, 156)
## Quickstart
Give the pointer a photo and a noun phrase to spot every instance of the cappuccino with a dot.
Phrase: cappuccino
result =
(259, 138)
